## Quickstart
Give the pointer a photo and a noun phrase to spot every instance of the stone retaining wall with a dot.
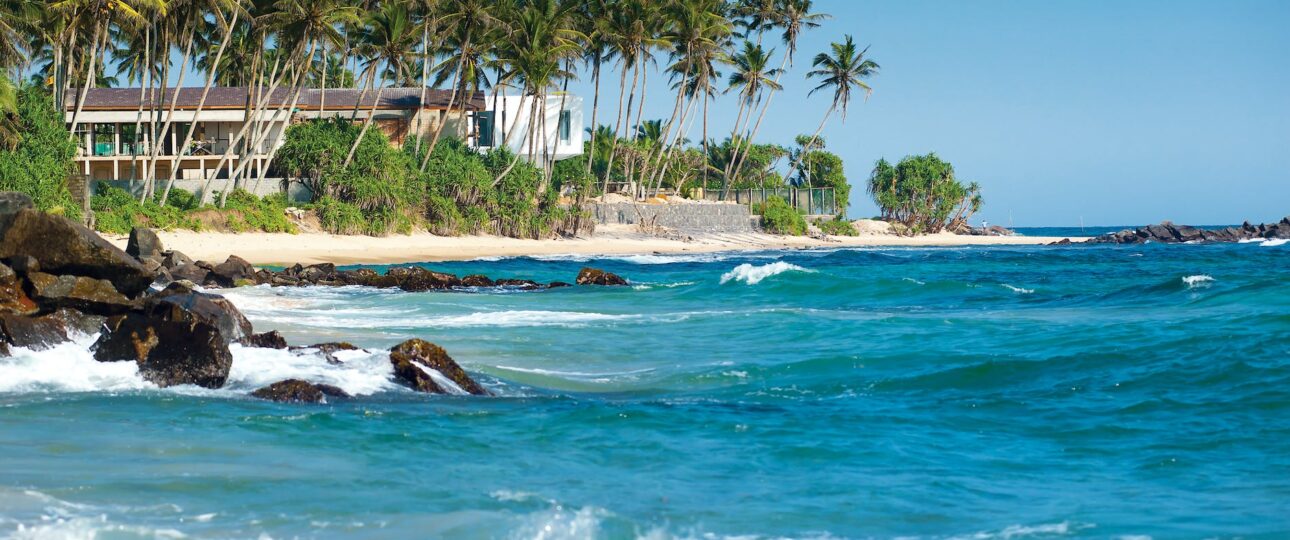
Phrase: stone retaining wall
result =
(709, 218)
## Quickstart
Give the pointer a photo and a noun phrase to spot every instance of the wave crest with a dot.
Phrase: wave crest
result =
(753, 275)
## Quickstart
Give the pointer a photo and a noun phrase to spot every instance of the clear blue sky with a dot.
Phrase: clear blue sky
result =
(1122, 112)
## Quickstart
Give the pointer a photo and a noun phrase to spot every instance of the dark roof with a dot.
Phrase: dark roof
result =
(235, 97)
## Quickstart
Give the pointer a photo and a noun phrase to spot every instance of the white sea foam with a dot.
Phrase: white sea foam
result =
(753, 275)
(443, 381)
(560, 523)
(914, 281)
(68, 367)
(360, 373)
(1198, 280)
(1274, 242)
(1018, 290)
(1044, 530)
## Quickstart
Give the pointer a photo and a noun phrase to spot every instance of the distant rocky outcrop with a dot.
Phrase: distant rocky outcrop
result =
(1167, 232)
(298, 391)
(593, 276)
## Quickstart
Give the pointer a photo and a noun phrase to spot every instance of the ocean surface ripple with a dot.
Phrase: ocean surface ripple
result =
(983, 393)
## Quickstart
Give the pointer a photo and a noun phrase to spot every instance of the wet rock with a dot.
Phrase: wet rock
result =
(522, 284)
(317, 272)
(65, 247)
(477, 280)
(267, 340)
(81, 293)
(1167, 232)
(233, 272)
(144, 245)
(593, 276)
(177, 300)
(35, 333)
(13, 299)
(23, 265)
(76, 321)
(557, 285)
(413, 361)
(190, 272)
(298, 391)
(328, 350)
(361, 276)
(170, 348)
(173, 259)
(419, 279)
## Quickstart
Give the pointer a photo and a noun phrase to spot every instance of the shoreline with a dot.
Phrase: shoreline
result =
(312, 248)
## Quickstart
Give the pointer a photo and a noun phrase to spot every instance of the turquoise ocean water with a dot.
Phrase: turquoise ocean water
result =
(980, 393)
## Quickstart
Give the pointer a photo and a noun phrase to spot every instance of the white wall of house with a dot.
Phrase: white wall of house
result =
(511, 113)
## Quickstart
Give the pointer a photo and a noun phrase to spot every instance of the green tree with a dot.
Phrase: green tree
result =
(922, 193)
(40, 162)
(843, 71)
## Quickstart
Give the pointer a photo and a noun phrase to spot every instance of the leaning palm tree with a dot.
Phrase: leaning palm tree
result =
(101, 15)
(470, 21)
(389, 40)
(844, 71)
(751, 76)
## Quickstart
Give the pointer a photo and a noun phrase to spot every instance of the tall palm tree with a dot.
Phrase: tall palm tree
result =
(751, 76)
(632, 29)
(100, 15)
(388, 40)
(470, 21)
(843, 71)
(596, 52)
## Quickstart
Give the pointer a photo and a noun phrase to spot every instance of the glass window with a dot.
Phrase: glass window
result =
(566, 121)
(130, 140)
(83, 138)
(104, 143)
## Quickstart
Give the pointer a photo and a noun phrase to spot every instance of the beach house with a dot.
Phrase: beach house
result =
(115, 127)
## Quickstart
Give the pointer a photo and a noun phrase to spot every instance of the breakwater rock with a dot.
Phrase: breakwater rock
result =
(59, 279)
(1167, 232)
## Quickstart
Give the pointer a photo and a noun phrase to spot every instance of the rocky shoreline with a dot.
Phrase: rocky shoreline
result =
(59, 279)
(1168, 233)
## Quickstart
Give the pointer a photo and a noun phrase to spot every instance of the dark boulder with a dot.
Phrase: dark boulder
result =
(267, 340)
(190, 272)
(76, 321)
(592, 276)
(419, 279)
(317, 272)
(13, 299)
(23, 265)
(557, 285)
(65, 247)
(361, 276)
(477, 280)
(173, 259)
(179, 301)
(170, 348)
(328, 350)
(81, 293)
(412, 359)
(522, 284)
(298, 391)
(35, 333)
(144, 245)
(233, 272)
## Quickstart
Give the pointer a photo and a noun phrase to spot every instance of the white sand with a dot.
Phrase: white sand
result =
(308, 248)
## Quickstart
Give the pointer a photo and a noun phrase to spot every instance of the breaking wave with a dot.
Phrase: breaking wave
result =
(753, 275)
(1198, 280)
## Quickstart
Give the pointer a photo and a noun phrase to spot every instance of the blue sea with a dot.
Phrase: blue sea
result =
(977, 393)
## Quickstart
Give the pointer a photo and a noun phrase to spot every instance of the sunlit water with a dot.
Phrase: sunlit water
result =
(1027, 392)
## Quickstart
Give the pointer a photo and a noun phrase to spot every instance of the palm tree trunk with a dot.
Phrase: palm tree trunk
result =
(89, 76)
(367, 124)
(529, 135)
(257, 104)
(170, 114)
(457, 84)
(595, 108)
(201, 103)
(145, 84)
(425, 83)
(618, 127)
(806, 149)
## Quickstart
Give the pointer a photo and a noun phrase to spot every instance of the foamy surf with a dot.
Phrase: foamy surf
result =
(1198, 280)
(1018, 290)
(753, 275)
(1274, 242)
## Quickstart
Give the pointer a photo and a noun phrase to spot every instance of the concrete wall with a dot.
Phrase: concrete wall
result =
(697, 218)
(514, 110)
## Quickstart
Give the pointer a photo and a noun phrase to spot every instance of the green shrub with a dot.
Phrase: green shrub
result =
(117, 211)
(777, 217)
(266, 214)
(837, 226)
(340, 217)
(44, 155)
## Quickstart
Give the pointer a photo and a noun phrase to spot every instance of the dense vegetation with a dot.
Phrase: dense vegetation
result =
(460, 191)
(778, 217)
(922, 193)
(35, 151)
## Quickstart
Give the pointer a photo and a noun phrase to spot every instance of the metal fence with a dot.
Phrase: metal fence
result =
(812, 201)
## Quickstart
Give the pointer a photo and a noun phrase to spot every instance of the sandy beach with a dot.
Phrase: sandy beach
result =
(308, 248)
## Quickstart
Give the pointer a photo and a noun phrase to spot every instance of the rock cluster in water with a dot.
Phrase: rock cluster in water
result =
(58, 278)
(1167, 232)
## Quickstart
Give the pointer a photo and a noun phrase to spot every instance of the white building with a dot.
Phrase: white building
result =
(113, 129)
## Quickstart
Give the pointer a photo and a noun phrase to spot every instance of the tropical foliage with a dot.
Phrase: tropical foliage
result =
(779, 217)
(36, 154)
(922, 193)
(709, 51)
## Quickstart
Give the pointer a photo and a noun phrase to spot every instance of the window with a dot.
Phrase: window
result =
(566, 121)
(484, 128)
(104, 143)
(130, 140)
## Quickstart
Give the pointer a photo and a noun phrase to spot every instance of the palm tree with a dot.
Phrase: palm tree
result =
(596, 53)
(101, 15)
(470, 21)
(631, 30)
(751, 76)
(388, 39)
(844, 70)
